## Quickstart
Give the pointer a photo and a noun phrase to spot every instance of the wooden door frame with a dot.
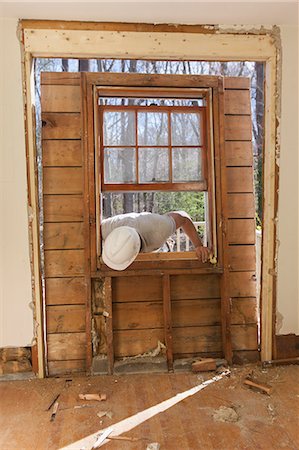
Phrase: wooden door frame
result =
(145, 41)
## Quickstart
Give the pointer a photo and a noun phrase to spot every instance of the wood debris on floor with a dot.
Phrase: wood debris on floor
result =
(228, 414)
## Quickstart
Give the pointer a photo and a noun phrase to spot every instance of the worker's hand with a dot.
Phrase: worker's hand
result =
(203, 253)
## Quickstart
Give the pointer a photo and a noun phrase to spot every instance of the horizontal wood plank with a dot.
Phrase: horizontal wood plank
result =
(64, 235)
(244, 337)
(63, 180)
(194, 286)
(132, 289)
(66, 346)
(66, 367)
(241, 231)
(61, 125)
(64, 291)
(242, 284)
(64, 263)
(241, 206)
(197, 339)
(55, 98)
(241, 257)
(244, 311)
(65, 318)
(64, 78)
(239, 179)
(137, 315)
(238, 153)
(237, 102)
(58, 153)
(189, 313)
(237, 128)
(63, 208)
(245, 356)
(136, 342)
(236, 83)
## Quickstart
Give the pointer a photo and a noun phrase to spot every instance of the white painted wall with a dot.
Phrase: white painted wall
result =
(16, 322)
(287, 287)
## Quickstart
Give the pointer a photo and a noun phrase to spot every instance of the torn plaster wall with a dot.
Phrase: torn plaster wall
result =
(16, 319)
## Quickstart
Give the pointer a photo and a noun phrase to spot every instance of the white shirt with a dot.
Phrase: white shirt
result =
(153, 229)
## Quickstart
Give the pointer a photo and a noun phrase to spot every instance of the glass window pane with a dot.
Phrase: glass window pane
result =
(186, 164)
(119, 165)
(153, 165)
(119, 128)
(152, 128)
(185, 129)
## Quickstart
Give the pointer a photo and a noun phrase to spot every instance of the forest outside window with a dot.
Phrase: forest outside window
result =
(154, 157)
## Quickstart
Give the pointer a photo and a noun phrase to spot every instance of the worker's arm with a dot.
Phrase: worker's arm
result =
(182, 220)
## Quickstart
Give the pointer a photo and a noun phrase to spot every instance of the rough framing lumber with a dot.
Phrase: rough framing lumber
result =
(205, 44)
(109, 323)
(167, 321)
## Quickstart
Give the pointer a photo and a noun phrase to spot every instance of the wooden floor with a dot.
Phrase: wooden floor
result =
(261, 421)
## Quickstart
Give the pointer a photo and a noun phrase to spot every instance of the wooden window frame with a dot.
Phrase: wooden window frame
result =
(69, 39)
(209, 86)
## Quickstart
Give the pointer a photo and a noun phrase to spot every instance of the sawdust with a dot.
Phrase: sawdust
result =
(225, 414)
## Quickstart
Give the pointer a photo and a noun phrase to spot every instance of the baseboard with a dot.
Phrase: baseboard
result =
(286, 346)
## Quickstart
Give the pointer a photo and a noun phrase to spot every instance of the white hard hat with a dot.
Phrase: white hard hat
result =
(121, 247)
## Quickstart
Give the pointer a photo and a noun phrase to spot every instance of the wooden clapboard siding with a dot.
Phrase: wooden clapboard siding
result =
(241, 257)
(240, 206)
(65, 291)
(61, 98)
(66, 319)
(137, 315)
(61, 125)
(66, 346)
(65, 245)
(132, 289)
(59, 263)
(241, 231)
(194, 286)
(239, 179)
(240, 214)
(64, 235)
(136, 342)
(65, 153)
(66, 367)
(63, 180)
(63, 208)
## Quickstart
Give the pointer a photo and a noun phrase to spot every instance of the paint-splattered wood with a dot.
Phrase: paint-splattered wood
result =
(66, 346)
(65, 319)
(63, 180)
(64, 263)
(63, 208)
(63, 235)
(61, 153)
(65, 291)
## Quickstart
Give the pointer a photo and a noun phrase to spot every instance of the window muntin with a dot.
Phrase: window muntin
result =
(156, 144)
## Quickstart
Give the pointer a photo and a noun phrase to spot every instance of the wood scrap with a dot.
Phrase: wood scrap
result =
(54, 411)
(252, 383)
(204, 365)
(95, 397)
(52, 402)
(123, 438)
(101, 414)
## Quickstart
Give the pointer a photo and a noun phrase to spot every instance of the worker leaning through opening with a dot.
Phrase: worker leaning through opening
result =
(126, 235)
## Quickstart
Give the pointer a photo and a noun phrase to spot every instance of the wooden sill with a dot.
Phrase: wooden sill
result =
(159, 264)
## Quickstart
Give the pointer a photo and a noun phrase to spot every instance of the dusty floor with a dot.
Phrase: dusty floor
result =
(226, 415)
